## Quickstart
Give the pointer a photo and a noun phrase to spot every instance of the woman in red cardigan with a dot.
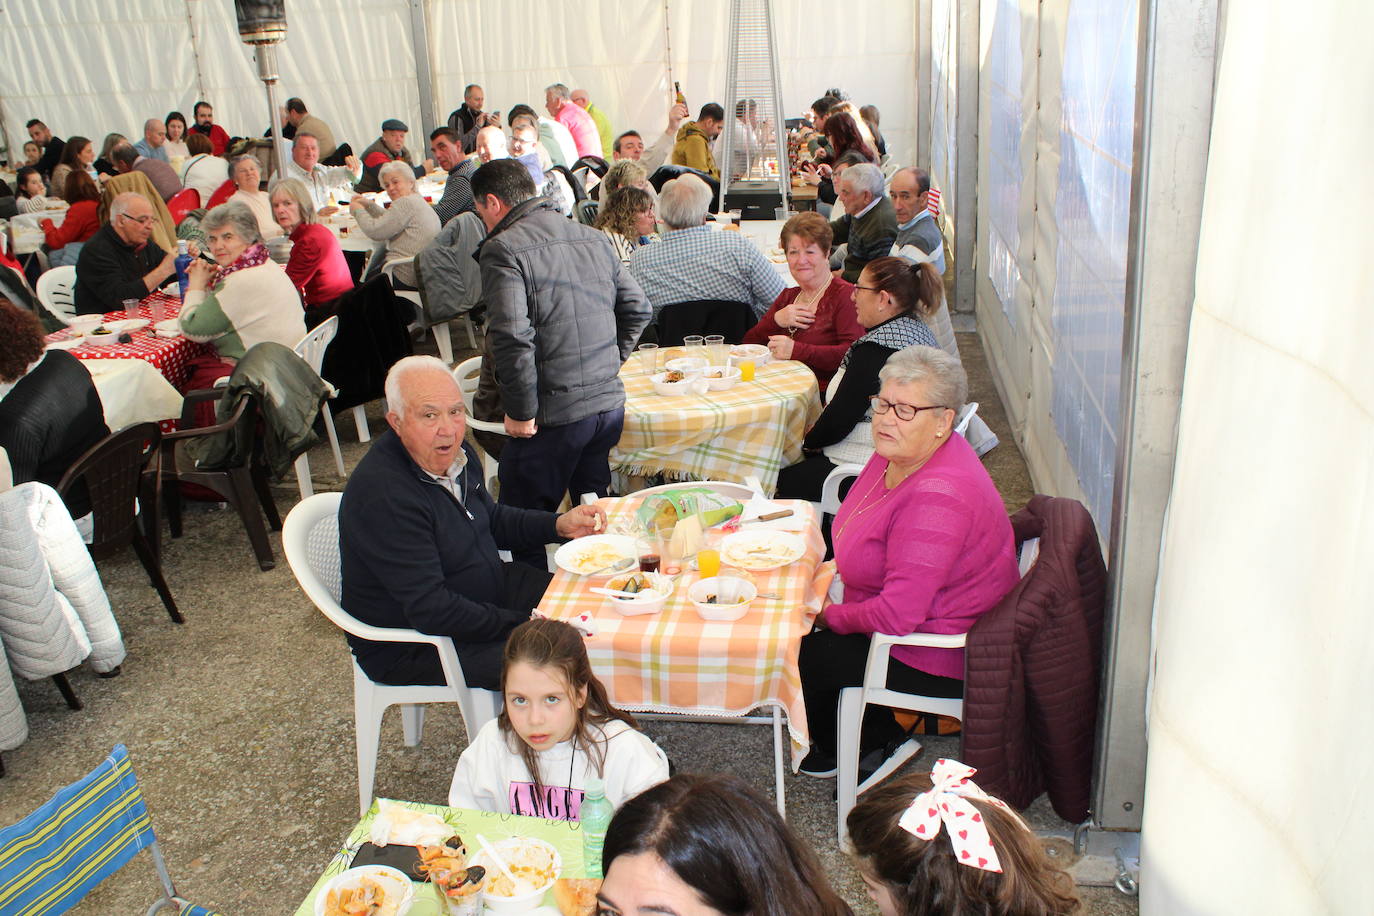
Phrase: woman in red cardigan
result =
(317, 265)
(815, 321)
(83, 219)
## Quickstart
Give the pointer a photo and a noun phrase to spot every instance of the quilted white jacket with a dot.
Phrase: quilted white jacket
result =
(14, 728)
(53, 610)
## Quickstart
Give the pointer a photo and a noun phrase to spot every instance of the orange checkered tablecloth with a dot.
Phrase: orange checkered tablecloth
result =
(676, 662)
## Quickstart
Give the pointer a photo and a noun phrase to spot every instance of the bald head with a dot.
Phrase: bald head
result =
(580, 98)
(154, 132)
(132, 217)
(491, 144)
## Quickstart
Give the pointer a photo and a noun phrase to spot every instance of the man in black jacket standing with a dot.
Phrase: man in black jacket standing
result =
(419, 535)
(563, 315)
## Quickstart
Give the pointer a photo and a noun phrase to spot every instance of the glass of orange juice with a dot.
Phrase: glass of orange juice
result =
(746, 370)
(708, 562)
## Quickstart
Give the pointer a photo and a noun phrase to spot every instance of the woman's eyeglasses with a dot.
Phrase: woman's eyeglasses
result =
(903, 411)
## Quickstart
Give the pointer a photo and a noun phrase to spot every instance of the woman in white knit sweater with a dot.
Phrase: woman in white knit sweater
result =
(407, 226)
(245, 300)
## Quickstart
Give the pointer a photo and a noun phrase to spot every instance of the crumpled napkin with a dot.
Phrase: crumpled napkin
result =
(407, 827)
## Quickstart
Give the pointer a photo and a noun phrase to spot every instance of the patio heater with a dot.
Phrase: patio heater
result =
(263, 25)
(754, 173)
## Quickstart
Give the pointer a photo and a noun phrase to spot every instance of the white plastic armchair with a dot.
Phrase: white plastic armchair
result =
(440, 330)
(466, 374)
(57, 292)
(310, 538)
(854, 700)
(311, 348)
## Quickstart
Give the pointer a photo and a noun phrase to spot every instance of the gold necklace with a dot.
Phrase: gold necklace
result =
(862, 509)
(801, 298)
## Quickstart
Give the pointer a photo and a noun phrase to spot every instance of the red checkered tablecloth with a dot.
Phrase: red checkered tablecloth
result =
(169, 355)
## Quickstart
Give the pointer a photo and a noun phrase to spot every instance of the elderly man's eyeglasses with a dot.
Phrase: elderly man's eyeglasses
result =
(903, 411)
(141, 220)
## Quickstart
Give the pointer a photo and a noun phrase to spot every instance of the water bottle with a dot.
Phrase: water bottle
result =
(183, 262)
(596, 817)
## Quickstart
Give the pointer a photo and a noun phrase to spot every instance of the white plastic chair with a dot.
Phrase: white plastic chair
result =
(875, 692)
(311, 348)
(466, 375)
(440, 330)
(310, 538)
(830, 490)
(57, 292)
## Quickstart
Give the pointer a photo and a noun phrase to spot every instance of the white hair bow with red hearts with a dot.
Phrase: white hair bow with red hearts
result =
(947, 801)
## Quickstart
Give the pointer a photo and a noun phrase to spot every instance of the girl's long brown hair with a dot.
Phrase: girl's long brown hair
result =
(544, 643)
(926, 879)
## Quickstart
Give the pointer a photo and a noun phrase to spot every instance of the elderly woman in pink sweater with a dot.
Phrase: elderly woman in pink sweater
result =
(922, 544)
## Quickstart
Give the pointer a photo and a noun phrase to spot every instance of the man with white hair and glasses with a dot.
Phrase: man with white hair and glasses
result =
(869, 225)
(121, 261)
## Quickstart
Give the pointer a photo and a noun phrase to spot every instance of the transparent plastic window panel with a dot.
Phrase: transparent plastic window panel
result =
(1092, 207)
(1003, 65)
(944, 32)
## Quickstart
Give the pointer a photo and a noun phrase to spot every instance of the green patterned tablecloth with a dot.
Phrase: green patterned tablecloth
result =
(562, 835)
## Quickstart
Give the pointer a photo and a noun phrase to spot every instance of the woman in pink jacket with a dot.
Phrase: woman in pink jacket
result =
(922, 544)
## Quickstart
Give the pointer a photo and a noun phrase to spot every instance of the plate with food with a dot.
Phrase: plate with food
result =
(757, 352)
(597, 555)
(759, 551)
(645, 592)
(535, 866)
(374, 890)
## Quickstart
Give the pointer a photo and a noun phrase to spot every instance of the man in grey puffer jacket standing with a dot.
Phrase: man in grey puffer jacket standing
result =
(563, 315)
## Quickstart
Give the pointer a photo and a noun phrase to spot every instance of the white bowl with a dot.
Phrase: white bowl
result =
(673, 389)
(757, 352)
(384, 873)
(738, 591)
(84, 324)
(646, 602)
(690, 366)
(729, 375)
(509, 849)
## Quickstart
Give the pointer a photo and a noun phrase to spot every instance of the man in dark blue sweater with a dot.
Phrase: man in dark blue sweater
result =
(419, 534)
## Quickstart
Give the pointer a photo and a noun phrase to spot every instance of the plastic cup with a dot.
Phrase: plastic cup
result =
(158, 308)
(694, 340)
(130, 307)
(708, 562)
(719, 352)
(746, 370)
(648, 358)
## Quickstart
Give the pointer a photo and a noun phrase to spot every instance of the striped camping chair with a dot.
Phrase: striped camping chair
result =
(82, 835)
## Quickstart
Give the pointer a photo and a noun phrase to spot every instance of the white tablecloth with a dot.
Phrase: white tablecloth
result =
(132, 391)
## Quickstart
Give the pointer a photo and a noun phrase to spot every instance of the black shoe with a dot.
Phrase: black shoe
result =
(820, 765)
(871, 761)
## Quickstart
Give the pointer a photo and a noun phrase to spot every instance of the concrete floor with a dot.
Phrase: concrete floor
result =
(240, 722)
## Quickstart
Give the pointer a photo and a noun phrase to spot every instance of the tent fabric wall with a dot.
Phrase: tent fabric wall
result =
(353, 62)
(1055, 343)
(1264, 595)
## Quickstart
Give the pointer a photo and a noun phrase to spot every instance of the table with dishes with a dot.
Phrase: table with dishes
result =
(724, 429)
(674, 648)
(404, 825)
(139, 379)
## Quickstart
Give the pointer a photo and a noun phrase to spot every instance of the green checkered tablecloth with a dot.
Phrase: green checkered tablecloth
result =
(753, 429)
(562, 835)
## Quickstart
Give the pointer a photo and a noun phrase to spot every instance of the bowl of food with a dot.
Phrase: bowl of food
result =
(650, 591)
(674, 383)
(690, 366)
(533, 863)
(721, 378)
(80, 325)
(757, 352)
(722, 597)
(385, 889)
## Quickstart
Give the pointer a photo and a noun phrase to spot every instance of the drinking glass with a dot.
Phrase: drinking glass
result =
(716, 350)
(648, 358)
(746, 369)
(691, 342)
(130, 307)
(158, 308)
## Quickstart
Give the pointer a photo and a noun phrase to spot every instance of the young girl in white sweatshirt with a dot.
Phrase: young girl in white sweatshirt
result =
(556, 731)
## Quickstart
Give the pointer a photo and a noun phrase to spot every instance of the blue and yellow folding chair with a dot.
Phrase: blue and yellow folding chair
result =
(82, 835)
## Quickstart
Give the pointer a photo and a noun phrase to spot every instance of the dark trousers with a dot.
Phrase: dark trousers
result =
(572, 458)
(480, 661)
(832, 661)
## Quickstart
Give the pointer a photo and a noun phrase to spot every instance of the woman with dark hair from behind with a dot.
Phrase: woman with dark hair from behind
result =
(50, 412)
(83, 221)
(700, 845)
(976, 857)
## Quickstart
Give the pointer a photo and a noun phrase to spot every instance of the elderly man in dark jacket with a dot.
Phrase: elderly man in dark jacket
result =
(869, 225)
(418, 539)
(563, 315)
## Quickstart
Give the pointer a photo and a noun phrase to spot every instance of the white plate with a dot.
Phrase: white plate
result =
(66, 344)
(124, 325)
(759, 551)
(585, 555)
